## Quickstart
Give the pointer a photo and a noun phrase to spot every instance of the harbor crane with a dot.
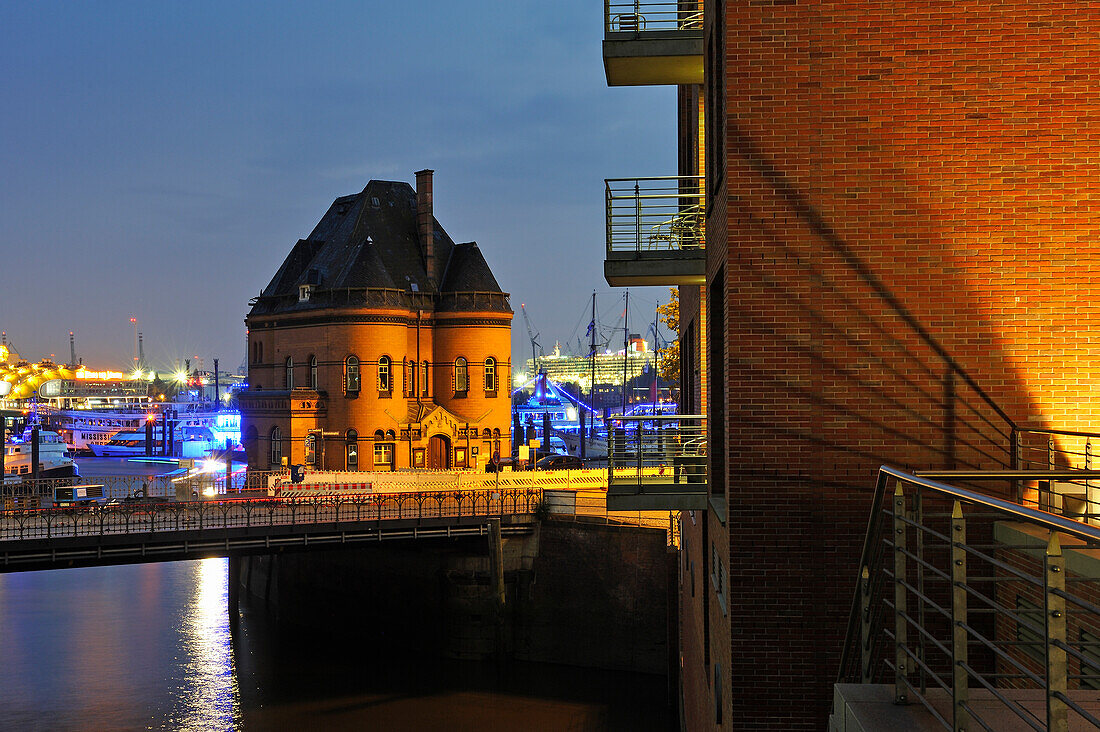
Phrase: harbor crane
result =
(533, 336)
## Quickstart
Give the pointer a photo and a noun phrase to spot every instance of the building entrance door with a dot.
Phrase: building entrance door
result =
(439, 453)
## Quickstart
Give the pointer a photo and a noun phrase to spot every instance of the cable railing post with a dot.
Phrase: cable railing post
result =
(918, 516)
(1014, 456)
(1046, 496)
(865, 625)
(1090, 489)
(960, 681)
(1055, 626)
(901, 663)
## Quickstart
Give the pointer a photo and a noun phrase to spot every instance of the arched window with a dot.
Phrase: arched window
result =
(351, 375)
(391, 435)
(486, 434)
(462, 381)
(352, 440)
(385, 383)
(289, 379)
(424, 378)
(276, 447)
(490, 374)
(313, 373)
(410, 378)
(311, 449)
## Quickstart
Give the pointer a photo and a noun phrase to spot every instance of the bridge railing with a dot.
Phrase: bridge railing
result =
(965, 602)
(151, 516)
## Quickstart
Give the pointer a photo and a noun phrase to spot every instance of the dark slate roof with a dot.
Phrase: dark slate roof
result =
(369, 240)
(467, 271)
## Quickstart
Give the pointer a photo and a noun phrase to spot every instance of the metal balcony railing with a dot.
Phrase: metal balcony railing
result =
(639, 17)
(982, 610)
(664, 451)
(655, 215)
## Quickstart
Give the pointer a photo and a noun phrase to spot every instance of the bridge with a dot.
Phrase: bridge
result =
(32, 539)
(191, 517)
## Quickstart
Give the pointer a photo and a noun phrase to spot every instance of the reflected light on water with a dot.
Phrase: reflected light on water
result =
(210, 695)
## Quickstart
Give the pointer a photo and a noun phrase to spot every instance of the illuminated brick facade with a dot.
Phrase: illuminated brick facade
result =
(901, 265)
(379, 344)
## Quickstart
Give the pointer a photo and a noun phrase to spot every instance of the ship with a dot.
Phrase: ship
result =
(199, 427)
(53, 459)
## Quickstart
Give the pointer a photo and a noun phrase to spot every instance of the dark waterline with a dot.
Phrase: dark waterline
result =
(150, 646)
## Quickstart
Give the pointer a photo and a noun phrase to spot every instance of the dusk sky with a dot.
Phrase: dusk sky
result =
(160, 159)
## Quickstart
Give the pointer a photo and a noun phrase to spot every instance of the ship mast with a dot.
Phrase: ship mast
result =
(626, 345)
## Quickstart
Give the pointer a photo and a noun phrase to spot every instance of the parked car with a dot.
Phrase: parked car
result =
(559, 462)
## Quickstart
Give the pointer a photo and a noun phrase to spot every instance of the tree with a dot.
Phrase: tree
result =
(668, 359)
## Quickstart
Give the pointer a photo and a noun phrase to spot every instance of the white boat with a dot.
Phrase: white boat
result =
(53, 460)
(127, 443)
(198, 428)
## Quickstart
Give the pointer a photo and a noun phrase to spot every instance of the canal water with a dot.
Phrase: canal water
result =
(151, 646)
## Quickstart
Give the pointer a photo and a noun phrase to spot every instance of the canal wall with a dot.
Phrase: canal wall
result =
(592, 595)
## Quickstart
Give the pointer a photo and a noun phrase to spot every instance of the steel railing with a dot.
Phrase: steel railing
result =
(1053, 449)
(655, 214)
(145, 517)
(666, 449)
(962, 597)
(642, 17)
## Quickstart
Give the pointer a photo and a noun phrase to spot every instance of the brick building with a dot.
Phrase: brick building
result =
(379, 344)
(893, 259)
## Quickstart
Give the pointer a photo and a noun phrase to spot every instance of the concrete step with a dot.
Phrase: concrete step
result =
(871, 708)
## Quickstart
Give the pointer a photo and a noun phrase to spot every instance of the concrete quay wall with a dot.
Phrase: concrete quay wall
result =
(581, 594)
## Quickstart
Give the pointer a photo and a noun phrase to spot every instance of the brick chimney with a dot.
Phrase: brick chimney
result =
(425, 226)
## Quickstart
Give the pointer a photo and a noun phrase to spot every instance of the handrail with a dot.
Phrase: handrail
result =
(1023, 513)
(1053, 644)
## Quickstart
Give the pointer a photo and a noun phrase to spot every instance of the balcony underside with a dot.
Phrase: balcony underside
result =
(655, 493)
(661, 268)
(646, 59)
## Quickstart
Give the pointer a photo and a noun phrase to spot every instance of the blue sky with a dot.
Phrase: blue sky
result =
(160, 159)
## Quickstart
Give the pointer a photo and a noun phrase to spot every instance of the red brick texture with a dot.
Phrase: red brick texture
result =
(904, 206)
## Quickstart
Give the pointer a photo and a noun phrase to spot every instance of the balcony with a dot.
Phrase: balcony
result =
(655, 231)
(657, 463)
(653, 43)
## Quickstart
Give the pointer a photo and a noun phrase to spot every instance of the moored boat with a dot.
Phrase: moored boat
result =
(53, 460)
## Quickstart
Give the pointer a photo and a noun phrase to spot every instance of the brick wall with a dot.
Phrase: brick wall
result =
(910, 264)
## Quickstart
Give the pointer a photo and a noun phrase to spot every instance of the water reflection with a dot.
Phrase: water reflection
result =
(149, 647)
(209, 676)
